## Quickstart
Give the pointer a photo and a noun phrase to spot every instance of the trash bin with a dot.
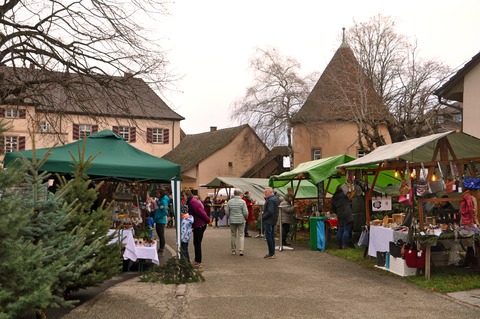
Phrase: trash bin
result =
(317, 233)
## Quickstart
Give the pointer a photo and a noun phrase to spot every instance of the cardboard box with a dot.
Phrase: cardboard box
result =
(399, 267)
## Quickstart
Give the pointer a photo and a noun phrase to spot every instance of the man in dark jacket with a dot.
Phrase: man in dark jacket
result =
(269, 219)
(341, 206)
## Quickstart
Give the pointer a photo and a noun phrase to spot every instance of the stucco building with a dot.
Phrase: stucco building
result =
(463, 87)
(47, 114)
(229, 152)
(342, 106)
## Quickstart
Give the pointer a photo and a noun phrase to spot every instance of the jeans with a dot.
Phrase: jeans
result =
(343, 233)
(270, 237)
(184, 248)
(160, 228)
(237, 231)
(197, 242)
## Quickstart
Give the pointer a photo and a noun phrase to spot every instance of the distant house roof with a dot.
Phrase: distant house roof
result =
(72, 93)
(272, 156)
(457, 78)
(341, 86)
(196, 147)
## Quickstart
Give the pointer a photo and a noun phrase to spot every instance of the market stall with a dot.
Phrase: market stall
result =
(430, 166)
(326, 176)
(113, 160)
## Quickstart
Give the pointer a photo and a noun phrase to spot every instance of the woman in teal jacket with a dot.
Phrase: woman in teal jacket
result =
(160, 217)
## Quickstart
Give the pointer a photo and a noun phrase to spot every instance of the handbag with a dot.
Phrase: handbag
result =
(423, 187)
(404, 188)
(470, 182)
(395, 249)
(364, 237)
(438, 185)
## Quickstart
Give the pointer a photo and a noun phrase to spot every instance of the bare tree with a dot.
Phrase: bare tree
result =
(274, 98)
(403, 80)
(71, 56)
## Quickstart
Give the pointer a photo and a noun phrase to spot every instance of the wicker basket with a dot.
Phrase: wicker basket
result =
(398, 218)
(376, 222)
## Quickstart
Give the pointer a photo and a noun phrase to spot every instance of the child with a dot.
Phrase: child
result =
(150, 223)
(185, 231)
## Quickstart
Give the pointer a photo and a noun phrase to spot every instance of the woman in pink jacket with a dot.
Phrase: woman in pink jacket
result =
(200, 222)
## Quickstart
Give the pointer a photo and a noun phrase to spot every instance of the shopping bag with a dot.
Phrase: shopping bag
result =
(364, 237)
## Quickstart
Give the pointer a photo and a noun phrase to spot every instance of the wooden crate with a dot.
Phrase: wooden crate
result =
(399, 267)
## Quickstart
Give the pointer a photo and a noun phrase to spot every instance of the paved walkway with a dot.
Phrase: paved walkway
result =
(297, 284)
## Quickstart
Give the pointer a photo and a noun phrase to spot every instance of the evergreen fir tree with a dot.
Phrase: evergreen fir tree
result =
(35, 249)
(103, 259)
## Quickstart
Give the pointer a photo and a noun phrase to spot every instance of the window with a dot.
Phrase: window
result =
(127, 133)
(81, 131)
(440, 119)
(158, 135)
(84, 130)
(457, 117)
(12, 113)
(360, 153)
(14, 143)
(124, 132)
(45, 126)
(316, 154)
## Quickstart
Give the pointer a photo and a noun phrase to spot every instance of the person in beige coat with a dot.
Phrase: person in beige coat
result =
(236, 212)
(287, 218)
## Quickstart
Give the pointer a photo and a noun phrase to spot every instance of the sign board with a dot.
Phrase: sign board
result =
(381, 203)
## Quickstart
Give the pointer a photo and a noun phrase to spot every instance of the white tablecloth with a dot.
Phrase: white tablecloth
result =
(142, 252)
(132, 251)
(380, 238)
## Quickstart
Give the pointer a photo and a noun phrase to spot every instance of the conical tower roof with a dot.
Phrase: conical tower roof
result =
(342, 91)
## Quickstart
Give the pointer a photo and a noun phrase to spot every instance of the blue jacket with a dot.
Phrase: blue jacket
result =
(270, 210)
(160, 215)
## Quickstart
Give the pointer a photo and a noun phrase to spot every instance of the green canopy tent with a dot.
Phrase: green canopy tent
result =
(318, 171)
(114, 158)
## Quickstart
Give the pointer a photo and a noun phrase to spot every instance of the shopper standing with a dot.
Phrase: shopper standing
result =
(160, 218)
(237, 212)
(341, 206)
(250, 202)
(200, 222)
(269, 219)
(286, 210)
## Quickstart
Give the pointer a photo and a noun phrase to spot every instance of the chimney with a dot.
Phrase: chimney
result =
(128, 75)
(32, 66)
(213, 128)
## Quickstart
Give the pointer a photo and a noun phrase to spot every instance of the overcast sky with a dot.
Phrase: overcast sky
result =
(210, 42)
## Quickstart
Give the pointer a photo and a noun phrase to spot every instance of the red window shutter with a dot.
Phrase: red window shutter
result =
(133, 134)
(76, 132)
(115, 129)
(21, 143)
(2, 113)
(2, 144)
(94, 129)
(166, 136)
(149, 135)
(22, 113)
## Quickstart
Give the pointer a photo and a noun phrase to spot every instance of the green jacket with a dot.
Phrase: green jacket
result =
(236, 210)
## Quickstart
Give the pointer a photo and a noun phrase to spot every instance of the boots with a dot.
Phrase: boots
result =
(160, 253)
